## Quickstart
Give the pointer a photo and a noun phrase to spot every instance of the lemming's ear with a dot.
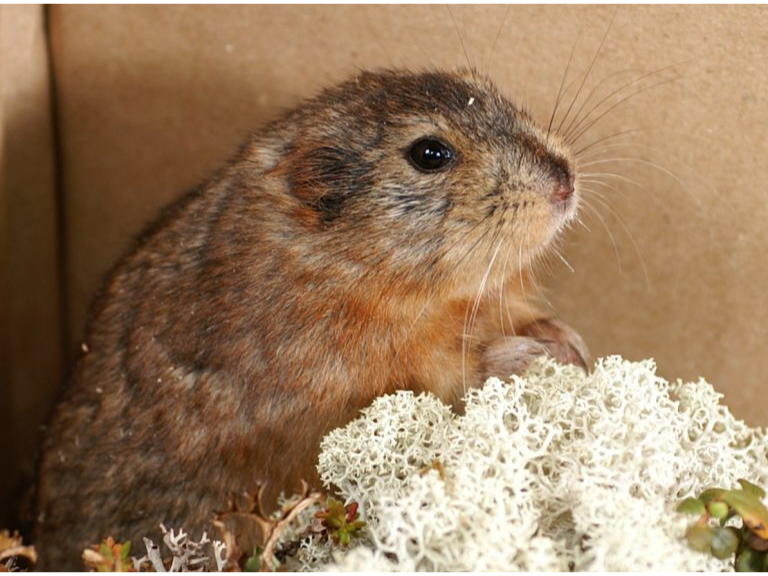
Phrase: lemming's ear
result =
(324, 176)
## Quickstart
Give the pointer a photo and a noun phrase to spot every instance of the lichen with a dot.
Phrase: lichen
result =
(187, 555)
(557, 470)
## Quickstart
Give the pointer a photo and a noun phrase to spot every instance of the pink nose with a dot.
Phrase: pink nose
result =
(563, 190)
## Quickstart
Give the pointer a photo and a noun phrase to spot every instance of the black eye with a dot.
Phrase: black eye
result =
(430, 154)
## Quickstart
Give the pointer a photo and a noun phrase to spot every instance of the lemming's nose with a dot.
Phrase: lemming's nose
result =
(563, 189)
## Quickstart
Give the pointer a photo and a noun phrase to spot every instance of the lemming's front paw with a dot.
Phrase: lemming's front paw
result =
(514, 354)
(562, 342)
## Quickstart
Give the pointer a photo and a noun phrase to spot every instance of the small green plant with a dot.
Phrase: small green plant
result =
(254, 562)
(109, 556)
(715, 507)
(341, 522)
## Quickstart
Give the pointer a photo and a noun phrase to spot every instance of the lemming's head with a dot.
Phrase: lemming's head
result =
(428, 172)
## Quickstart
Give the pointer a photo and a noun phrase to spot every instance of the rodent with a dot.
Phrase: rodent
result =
(377, 237)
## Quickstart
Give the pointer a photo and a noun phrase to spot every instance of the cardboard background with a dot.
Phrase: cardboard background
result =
(30, 296)
(149, 100)
(152, 99)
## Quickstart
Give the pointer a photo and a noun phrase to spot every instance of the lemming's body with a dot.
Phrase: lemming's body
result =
(376, 238)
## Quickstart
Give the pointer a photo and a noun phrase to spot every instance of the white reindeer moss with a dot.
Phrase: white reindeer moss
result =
(558, 470)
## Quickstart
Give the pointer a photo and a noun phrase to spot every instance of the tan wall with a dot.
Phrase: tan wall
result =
(151, 99)
(5, 389)
(30, 331)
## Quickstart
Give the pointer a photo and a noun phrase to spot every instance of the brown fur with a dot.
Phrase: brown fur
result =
(318, 270)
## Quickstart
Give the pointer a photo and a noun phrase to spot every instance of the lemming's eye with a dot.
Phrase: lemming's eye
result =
(430, 154)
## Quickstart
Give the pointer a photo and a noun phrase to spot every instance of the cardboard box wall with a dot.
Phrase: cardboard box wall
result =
(147, 101)
(31, 298)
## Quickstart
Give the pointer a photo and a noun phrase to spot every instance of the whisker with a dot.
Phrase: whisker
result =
(629, 233)
(461, 38)
(576, 117)
(577, 122)
(652, 165)
(562, 83)
(506, 308)
(597, 178)
(597, 214)
(408, 332)
(374, 32)
(646, 189)
(501, 298)
(573, 139)
(483, 284)
(579, 221)
(498, 228)
(474, 244)
(519, 265)
(562, 258)
(702, 182)
(586, 74)
(603, 184)
(489, 61)
(469, 326)
(466, 332)
(521, 269)
(612, 175)
(613, 145)
(606, 138)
